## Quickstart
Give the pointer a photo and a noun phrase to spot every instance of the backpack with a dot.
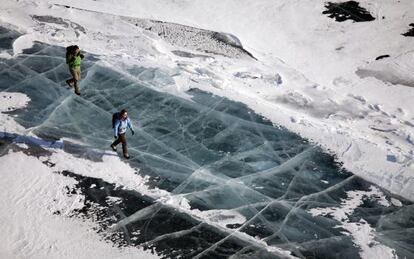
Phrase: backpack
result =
(69, 51)
(115, 117)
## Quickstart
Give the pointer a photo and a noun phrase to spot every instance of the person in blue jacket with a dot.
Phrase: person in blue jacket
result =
(120, 123)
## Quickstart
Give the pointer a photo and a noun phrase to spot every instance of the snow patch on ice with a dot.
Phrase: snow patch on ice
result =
(362, 233)
(10, 102)
(25, 41)
(23, 145)
(396, 202)
(111, 169)
(223, 217)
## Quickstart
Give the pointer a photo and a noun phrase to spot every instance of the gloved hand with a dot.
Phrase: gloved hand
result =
(81, 56)
(115, 137)
(133, 132)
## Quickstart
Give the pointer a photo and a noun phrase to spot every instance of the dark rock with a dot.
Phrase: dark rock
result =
(410, 32)
(349, 10)
(382, 56)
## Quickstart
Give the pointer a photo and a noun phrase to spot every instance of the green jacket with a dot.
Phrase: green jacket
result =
(74, 61)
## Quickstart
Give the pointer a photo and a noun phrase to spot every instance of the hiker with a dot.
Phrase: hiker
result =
(73, 59)
(120, 123)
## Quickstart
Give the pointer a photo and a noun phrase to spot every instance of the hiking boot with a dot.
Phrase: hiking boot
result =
(69, 84)
(113, 148)
(126, 156)
(78, 93)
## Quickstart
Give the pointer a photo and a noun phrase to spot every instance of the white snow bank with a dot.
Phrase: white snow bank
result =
(394, 70)
(31, 193)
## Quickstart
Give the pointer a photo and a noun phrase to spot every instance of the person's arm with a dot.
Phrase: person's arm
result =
(129, 124)
(117, 122)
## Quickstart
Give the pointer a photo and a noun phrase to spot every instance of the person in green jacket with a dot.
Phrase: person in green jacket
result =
(74, 59)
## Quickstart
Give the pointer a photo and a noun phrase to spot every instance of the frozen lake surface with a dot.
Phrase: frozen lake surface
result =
(255, 189)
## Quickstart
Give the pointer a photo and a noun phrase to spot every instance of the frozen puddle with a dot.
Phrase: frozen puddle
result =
(238, 186)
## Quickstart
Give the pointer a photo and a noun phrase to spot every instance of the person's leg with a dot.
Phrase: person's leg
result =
(124, 145)
(73, 73)
(116, 142)
(76, 78)
(77, 88)
(71, 81)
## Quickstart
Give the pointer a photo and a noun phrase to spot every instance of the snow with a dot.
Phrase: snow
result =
(312, 75)
(9, 102)
(111, 170)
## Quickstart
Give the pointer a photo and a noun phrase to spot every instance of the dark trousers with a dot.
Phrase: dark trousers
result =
(121, 139)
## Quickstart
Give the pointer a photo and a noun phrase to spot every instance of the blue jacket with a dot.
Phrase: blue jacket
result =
(121, 126)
